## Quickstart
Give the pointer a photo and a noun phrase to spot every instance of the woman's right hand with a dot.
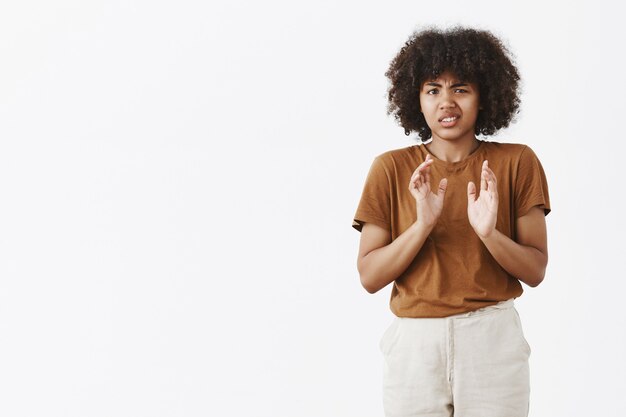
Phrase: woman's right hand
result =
(428, 204)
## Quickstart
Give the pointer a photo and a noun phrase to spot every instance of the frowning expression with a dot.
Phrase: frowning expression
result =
(450, 106)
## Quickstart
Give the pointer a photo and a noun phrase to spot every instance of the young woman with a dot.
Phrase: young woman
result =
(455, 223)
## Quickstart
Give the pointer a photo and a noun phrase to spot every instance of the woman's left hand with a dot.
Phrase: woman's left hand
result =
(483, 211)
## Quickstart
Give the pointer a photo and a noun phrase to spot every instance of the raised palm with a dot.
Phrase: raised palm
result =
(483, 211)
(428, 204)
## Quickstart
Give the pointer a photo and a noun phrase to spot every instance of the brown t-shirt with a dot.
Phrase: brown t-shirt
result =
(453, 272)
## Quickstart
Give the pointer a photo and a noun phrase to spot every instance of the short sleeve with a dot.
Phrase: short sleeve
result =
(375, 203)
(531, 185)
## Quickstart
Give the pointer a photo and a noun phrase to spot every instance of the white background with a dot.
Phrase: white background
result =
(178, 181)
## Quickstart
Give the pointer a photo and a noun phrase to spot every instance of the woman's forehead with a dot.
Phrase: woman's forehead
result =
(447, 77)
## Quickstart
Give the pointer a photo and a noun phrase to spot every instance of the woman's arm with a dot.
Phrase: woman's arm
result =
(527, 258)
(379, 261)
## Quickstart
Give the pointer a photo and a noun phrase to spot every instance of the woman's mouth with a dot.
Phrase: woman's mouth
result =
(449, 121)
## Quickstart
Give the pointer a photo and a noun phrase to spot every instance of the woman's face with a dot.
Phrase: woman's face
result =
(445, 96)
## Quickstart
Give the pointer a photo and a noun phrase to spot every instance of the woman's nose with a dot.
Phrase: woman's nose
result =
(447, 100)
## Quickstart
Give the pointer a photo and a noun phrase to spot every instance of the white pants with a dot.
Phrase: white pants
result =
(467, 365)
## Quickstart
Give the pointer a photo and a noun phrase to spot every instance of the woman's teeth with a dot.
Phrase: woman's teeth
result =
(449, 119)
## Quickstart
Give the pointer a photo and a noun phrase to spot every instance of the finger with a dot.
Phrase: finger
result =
(492, 182)
(426, 170)
(483, 180)
(443, 186)
(417, 184)
(425, 165)
(418, 169)
(415, 178)
(471, 192)
(486, 172)
(421, 167)
(493, 190)
(492, 175)
(426, 174)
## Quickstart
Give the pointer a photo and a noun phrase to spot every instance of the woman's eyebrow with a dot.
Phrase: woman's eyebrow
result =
(439, 85)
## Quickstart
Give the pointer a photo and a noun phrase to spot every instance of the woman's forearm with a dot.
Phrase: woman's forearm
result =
(383, 265)
(525, 263)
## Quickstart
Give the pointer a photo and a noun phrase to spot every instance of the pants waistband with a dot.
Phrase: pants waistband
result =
(502, 305)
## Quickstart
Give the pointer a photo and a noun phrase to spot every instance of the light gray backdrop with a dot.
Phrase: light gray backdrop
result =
(177, 185)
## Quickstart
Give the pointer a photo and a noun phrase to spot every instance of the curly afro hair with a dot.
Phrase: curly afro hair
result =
(473, 56)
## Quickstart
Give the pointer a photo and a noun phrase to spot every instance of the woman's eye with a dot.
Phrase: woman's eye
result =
(456, 89)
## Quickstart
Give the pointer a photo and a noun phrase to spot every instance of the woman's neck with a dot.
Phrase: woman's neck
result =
(452, 151)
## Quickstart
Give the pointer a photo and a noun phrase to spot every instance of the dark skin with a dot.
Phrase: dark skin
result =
(525, 258)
